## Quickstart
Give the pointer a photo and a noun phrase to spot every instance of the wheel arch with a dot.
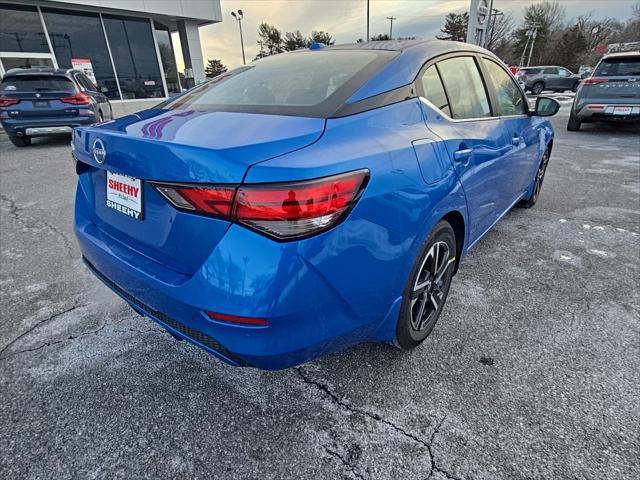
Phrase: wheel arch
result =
(456, 220)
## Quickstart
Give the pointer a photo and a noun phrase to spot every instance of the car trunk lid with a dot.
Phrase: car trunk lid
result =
(180, 147)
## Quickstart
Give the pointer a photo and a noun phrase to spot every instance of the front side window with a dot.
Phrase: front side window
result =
(306, 83)
(564, 72)
(434, 90)
(464, 87)
(508, 94)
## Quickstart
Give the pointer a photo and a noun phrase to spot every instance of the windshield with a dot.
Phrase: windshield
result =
(618, 67)
(312, 83)
(36, 83)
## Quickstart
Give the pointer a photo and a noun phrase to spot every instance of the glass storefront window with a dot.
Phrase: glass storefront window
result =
(168, 58)
(79, 35)
(21, 29)
(134, 56)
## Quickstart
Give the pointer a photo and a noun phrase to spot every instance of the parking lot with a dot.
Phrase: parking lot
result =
(533, 371)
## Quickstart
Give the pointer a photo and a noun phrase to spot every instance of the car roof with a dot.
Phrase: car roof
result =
(632, 53)
(403, 69)
(39, 71)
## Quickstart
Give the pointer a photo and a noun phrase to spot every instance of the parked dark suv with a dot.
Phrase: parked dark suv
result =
(46, 101)
(558, 79)
(611, 93)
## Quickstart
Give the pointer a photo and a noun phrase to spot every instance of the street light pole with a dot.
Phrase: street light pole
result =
(367, 20)
(391, 19)
(238, 16)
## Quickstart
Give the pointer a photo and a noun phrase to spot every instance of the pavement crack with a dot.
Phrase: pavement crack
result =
(15, 213)
(345, 462)
(36, 325)
(378, 418)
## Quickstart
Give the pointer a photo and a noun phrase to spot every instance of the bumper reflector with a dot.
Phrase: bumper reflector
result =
(223, 317)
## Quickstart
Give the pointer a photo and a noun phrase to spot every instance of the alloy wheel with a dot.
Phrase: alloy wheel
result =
(542, 169)
(429, 289)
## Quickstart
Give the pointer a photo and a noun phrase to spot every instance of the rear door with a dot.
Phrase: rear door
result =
(511, 105)
(473, 136)
(39, 95)
(551, 78)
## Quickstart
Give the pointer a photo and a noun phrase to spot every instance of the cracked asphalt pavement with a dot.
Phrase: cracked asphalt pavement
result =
(532, 372)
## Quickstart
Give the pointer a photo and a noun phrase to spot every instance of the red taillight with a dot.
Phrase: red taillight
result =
(8, 101)
(210, 200)
(297, 209)
(280, 210)
(594, 80)
(77, 99)
(223, 317)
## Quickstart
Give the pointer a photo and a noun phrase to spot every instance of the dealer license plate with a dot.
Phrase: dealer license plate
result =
(622, 111)
(124, 194)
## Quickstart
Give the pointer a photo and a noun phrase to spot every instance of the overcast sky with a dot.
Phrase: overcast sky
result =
(346, 20)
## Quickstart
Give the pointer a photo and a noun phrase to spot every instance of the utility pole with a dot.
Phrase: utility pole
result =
(533, 41)
(368, 20)
(391, 19)
(238, 16)
(489, 38)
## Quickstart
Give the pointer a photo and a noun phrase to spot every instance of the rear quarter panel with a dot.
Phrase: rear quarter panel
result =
(367, 259)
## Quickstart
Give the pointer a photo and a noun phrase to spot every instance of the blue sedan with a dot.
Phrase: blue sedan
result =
(311, 200)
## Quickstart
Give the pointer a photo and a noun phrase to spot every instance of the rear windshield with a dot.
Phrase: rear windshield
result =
(312, 83)
(36, 83)
(618, 67)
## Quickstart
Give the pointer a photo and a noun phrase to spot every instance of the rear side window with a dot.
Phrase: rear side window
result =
(530, 71)
(550, 71)
(36, 83)
(618, 67)
(302, 83)
(508, 94)
(434, 90)
(464, 87)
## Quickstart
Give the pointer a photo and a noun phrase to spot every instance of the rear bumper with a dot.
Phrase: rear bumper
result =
(606, 112)
(247, 275)
(45, 126)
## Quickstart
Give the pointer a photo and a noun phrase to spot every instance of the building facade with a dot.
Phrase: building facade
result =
(124, 46)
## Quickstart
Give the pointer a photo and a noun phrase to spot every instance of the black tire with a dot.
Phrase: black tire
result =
(20, 141)
(409, 332)
(574, 123)
(539, 178)
(537, 88)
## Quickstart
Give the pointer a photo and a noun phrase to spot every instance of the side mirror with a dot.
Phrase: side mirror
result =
(585, 75)
(546, 107)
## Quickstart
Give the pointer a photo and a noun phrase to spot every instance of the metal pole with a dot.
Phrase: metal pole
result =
(368, 20)
(244, 62)
(524, 50)
(391, 19)
(533, 41)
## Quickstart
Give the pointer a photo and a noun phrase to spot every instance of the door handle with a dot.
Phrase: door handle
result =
(463, 154)
(515, 141)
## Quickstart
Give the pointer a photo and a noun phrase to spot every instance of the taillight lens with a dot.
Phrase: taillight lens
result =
(8, 101)
(209, 200)
(292, 210)
(79, 98)
(280, 210)
(594, 80)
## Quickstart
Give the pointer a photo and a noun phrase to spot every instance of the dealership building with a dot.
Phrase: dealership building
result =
(125, 46)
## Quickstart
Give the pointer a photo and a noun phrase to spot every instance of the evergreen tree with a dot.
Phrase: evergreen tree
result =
(380, 37)
(214, 68)
(294, 41)
(320, 37)
(455, 27)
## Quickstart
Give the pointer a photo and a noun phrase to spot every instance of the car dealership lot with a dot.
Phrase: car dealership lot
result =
(531, 372)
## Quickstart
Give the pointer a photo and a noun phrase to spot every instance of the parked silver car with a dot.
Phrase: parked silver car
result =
(611, 93)
(558, 79)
